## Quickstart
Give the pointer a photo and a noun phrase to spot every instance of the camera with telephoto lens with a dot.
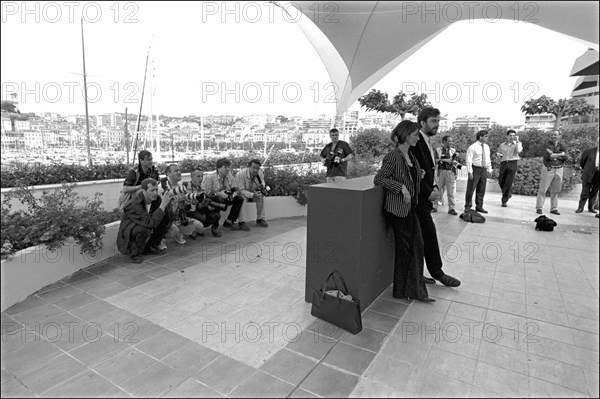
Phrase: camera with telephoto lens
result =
(263, 190)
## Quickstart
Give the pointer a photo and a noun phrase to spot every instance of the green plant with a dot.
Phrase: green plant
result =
(53, 218)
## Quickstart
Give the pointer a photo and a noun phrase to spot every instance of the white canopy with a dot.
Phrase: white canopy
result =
(360, 42)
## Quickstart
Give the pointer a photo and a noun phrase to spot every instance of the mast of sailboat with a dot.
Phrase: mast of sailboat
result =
(126, 136)
(137, 130)
(87, 118)
(202, 135)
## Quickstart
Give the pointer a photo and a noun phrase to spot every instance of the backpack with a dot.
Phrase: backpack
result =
(544, 223)
(472, 216)
(124, 197)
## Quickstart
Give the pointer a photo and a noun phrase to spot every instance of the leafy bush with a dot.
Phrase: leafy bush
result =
(51, 219)
(527, 179)
(39, 174)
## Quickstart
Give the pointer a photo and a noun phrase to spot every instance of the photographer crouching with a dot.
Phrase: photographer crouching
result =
(251, 184)
(220, 188)
(181, 224)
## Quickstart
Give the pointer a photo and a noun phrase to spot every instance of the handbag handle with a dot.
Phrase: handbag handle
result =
(331, 276)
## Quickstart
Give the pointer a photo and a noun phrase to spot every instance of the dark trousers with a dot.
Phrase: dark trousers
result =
(142, 237)
(430, 241)
(508, 170)
(408, 259)
(478, 183)
(238, 201)
(207, 217)
(589, 190)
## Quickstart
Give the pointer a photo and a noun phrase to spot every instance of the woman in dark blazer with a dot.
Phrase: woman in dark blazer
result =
(400, 175)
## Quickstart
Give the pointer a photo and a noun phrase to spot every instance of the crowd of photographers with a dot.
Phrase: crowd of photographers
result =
(156, 209)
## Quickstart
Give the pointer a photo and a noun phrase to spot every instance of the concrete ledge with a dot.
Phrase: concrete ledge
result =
(33, 268)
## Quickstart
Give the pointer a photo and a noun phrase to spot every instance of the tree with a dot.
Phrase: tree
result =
(560, 108)
(371, 142)
(375, 100)
(8, 106)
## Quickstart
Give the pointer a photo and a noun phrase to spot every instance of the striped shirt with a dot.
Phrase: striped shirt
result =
(395, 174)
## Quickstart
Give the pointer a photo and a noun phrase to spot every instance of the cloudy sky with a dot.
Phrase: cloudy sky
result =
(252, 60)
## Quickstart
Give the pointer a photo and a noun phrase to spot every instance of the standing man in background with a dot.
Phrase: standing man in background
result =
(447, 165)
(589, 178)
(335, 157)
(509, 151)
(479, 166)
(555, 155)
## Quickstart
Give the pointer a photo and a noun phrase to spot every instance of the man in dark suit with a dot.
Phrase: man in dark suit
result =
(589, 178)
(429, 120)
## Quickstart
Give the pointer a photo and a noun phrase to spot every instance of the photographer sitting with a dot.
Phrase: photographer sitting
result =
(181, 224)
(446, 167)
(207, 212)
(252, 187)
(144, 222)
(220, 187)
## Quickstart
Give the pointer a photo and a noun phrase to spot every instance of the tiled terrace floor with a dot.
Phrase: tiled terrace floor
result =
(211, 318)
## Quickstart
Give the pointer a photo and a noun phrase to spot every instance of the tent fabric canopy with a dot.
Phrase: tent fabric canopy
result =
(360, 42)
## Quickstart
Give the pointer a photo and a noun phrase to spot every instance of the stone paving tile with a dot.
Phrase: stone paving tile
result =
(162, 344)
(313, 345)
(124, 365)
(326, 381)
(75, 301)
(502, 381)
(25, 357)
(50, 373)
(289, 366)
(191, 388)
(93, 310)
(412, 353)
(85, 385)
(430, 384)
(59, 293)
(556, 372)
(224, 374)
(388, 307)
(107, 290)
(191, 358)
(13, 388)
(153, 382)
(349, 358)
(98, 350)
(542, 389)
(301, 393)
(450, 364)
(368, 339)
(399, 376)
(262, 385)
(379, 321)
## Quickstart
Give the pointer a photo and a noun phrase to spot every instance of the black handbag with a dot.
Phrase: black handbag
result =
(337, 310)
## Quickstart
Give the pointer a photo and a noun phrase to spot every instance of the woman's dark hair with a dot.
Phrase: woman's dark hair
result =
(403, 130)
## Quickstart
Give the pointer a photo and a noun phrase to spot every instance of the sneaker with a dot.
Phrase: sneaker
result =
(243, 226)
(137, 258)
(180, 239)
(481, 210)
(262, 223)
(555, 212)
(228, 223)
(215, 232)
(504, 205)
(162, 245)
(539, 211)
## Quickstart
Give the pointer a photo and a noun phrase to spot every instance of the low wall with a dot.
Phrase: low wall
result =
(33, 268)
(111, 189)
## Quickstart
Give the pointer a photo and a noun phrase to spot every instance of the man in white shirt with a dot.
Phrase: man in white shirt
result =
(479, 166)
(509, 151)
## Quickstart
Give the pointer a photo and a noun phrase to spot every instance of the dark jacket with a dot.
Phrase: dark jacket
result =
(394, 174)
(588, 164)
(421, 152)
(135, 214)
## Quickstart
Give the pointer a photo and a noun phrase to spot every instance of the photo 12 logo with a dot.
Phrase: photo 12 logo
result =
(271, 92)
(253, 12)
(453, 11)
(72, 92)
(72, 11)
(473, 92)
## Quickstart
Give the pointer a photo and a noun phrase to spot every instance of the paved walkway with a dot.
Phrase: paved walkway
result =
(227, 317)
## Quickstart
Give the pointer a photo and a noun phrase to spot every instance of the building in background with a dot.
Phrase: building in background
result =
(473, 123)
(586, 87)
(540, 121)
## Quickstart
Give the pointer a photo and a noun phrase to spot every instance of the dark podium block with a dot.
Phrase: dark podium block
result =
(346, 230)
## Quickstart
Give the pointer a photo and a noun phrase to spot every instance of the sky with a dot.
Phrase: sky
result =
(252, 60)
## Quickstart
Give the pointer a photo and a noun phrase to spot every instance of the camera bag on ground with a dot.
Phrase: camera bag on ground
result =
(544, 223)
(472, 216)
(336, 306)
